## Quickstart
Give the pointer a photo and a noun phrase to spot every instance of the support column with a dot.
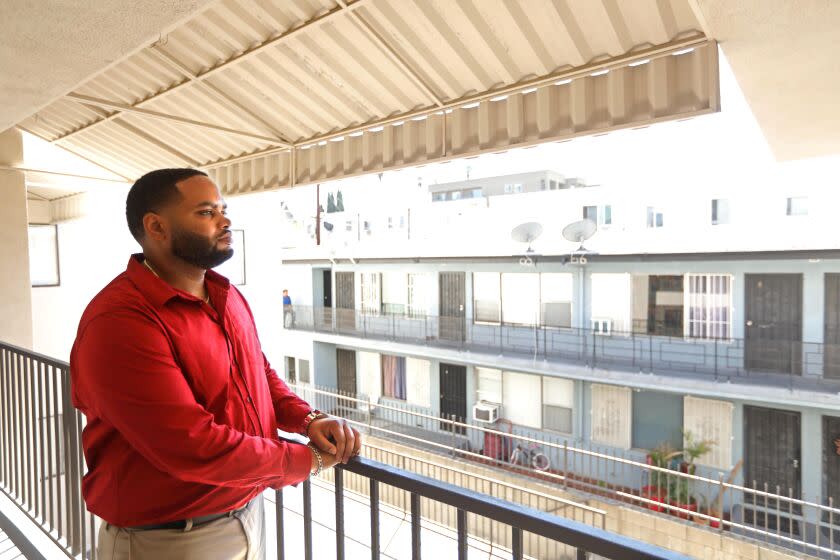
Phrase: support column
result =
(15, 286)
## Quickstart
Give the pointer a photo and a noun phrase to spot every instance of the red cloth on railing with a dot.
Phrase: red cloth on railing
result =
(182, 407)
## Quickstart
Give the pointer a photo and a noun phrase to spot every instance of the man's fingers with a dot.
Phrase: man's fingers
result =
(350, 443)
(337, 431)
(322, 442)
(357, 447)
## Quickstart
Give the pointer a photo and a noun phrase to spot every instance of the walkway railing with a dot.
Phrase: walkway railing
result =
(756, 510)
(41, 467)
(791, 364)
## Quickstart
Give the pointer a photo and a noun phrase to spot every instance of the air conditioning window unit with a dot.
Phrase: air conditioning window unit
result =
(485, 412)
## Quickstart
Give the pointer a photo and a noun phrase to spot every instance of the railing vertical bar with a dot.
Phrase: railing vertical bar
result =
(77, 482)
(59, 438)
(18, 429)
(41, 445)
(339, 513)
(374, 519)
(26, 488)
(92, 527)
(307, 519)
(415, 526)
(4, 428)
(462, 534)
(278, 524)
(516, 543)
(34, 493)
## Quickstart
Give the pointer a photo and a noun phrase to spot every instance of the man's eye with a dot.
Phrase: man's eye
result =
(206, 212)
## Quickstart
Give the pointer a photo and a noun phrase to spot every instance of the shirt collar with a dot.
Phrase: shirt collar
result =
(159, 292)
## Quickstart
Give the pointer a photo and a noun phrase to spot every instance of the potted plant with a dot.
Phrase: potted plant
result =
(679, 491)
(657, 488)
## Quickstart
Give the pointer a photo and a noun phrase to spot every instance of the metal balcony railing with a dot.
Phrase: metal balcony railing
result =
(42, 465)
(756, 510)
(781, 363)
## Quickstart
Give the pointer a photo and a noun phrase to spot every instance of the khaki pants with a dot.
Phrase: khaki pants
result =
(239, 537)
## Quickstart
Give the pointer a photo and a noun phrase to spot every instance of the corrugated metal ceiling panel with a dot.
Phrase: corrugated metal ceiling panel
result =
(280, 72)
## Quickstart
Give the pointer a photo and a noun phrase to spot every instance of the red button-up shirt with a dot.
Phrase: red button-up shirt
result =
(182, 407)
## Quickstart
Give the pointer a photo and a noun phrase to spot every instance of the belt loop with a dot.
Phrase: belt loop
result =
(188, 525)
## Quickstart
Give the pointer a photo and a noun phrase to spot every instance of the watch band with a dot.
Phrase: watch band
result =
(311, 417)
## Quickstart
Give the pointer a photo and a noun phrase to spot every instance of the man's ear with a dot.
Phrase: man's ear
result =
(155, 226)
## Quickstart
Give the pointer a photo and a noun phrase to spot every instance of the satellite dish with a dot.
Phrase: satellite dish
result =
(580, 231)
(526, 233)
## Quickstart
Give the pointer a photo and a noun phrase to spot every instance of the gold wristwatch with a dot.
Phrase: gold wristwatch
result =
(313, 415)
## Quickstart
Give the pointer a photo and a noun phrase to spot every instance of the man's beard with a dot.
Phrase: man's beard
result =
(197, 250)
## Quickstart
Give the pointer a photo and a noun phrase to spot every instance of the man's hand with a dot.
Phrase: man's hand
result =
(335, 436)
(328, 461)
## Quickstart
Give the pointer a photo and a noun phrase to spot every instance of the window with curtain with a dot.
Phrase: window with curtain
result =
(419, 293)
(487, 297)
(394, 292)
(43, 256)
(418, 381)
(371, 293)
(711, 420)
(556, 290)
(489, 385)
(709, 306)
(558, 404)
(611, 415)
(612, 301)
(521, 399)
(393, 377)
(520, 298)
(303, 371)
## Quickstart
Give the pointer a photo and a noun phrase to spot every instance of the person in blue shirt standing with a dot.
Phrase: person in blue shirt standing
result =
(288, 314)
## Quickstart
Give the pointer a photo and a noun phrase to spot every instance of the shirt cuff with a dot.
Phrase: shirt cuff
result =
(300, 463)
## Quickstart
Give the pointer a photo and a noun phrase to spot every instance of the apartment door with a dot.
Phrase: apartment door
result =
(453, 395)
(452, 320)
(345, 300)
(831, 355)
(772, 455)
(327, 288)
(773, 331)
(291, 373)
(831, 459)
(346, 368)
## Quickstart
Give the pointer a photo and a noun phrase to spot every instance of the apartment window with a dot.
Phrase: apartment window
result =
(654, 219)
(556, 299)
(348, 225)
(520, 298)
(234, 268)
(521, 398)
(612, 302)
(552, 185)
(394, 292)
(542, 184)
(438, 197)
(601, 215)
(43, 256)
(303, 371)
(390, 222)
(456, 195)
(418, 375)
(477, 193)
(797, 206)
(720, 211)
(611, 414)
(558, 404)
(657, 420)
(489, 385)
(487, 297)
(393, 377)
(711, 420)
(513, 187)
(371, 293)
(291, 370)
(402, 222)
(419, 292)
(709, 305)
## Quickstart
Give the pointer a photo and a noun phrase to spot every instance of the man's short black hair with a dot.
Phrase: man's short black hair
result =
(151, 192)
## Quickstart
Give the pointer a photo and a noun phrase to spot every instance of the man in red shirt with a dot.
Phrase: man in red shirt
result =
(182, 406)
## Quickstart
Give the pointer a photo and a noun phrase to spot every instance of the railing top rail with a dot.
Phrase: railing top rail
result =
(41, 357)
(585, 537)
(558, 499)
